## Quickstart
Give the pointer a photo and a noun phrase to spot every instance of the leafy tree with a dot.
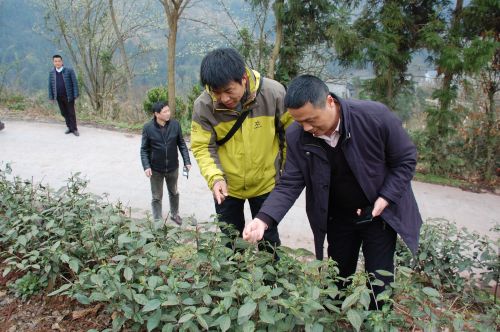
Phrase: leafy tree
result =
(305, 26)
(482, 61)
(444, 40)
(385, 36)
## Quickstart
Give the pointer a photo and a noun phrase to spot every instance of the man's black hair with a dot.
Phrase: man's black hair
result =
(56, 56)
(304, 89)
(158, 106)
(220, 67)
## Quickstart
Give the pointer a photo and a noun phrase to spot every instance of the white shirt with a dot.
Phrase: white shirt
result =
(59, 70)
(333, 139)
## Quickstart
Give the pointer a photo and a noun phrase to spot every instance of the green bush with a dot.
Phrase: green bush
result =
(153, 276)
(160, 93)
(28, 285)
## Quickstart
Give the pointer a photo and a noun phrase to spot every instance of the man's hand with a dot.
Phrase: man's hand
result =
(148, 172)
(379, 206)
(254, 231)
(188, 167)
(220, 191)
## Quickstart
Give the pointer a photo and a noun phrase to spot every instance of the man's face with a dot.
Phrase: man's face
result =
(231, 94)
(317, 120)
(164, 114)
(58, 63)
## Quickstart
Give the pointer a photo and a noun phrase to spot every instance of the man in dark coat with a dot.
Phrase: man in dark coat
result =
(160, 139)
(356, 162)
(63, 87)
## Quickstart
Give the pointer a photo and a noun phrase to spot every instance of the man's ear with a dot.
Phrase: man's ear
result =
(245, 77)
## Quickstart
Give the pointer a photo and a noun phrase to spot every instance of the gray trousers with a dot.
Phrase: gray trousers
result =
(156, 180)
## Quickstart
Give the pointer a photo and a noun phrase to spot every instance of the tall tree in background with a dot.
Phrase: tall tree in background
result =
(444, 40)
(173, 13)
(482, 63)
(300, 35)
(386, 35)
(305, 27)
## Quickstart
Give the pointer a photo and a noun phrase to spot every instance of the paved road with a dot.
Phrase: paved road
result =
(110, 160)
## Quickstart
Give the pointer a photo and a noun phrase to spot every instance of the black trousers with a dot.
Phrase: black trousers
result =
(67, 109)
(378, 242)
(231, 212)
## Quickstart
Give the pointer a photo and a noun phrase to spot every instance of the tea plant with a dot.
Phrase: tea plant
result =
(158, 277)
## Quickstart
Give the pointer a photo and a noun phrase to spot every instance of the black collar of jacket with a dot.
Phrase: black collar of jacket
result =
(157, 125)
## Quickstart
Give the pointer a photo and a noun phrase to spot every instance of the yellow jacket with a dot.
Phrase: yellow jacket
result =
(250, 161)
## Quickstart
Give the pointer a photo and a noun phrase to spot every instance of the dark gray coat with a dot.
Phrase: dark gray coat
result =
(70, 83)
(381, 157)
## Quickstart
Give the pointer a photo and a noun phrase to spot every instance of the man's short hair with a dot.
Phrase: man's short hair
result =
(304, 89)
(56, 56)
(158, 106)
(220, 67)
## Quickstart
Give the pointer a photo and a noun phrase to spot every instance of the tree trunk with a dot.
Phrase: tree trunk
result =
(172, 38)
(278, 5)
(121, 46)
(491, 143)
(173, 12)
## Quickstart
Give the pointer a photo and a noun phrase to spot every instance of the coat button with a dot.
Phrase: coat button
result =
(308, 153)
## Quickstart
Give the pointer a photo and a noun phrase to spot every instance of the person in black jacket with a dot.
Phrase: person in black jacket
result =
(63, 87)
(160, 139)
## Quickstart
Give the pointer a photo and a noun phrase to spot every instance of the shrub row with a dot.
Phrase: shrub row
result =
(156, 277)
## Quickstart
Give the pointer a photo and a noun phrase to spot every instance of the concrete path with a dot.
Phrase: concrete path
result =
(110, 160)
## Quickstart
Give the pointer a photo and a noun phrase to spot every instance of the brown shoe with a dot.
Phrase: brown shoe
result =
(177, 219)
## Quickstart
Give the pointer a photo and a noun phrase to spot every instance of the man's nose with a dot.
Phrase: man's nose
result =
(224, 98)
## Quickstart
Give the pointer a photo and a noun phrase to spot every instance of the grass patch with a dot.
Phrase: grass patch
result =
(436, 179)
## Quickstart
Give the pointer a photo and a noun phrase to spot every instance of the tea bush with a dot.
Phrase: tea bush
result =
(158, 277)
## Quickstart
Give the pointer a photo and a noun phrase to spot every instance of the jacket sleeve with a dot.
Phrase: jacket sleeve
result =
(145, 149)
(75, 84)
(182, 146)
(400, 158)
(51, 90)
(203, 145)
(283, 120)
(288, 188)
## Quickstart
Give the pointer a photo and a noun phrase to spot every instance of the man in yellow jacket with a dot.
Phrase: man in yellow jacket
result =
(240, 159)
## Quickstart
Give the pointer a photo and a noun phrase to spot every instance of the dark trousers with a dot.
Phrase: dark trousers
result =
(378, 242)
(156, 180)
(67, 109)
(231, 212)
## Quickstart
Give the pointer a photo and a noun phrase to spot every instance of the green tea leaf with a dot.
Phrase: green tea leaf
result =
(60, 290)
(185, 318)
(83, 299)
(354, 318)
(154, 320)
(127, 273)
(247, 309)
(430, 291)
(225, 323)
(151, 305)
